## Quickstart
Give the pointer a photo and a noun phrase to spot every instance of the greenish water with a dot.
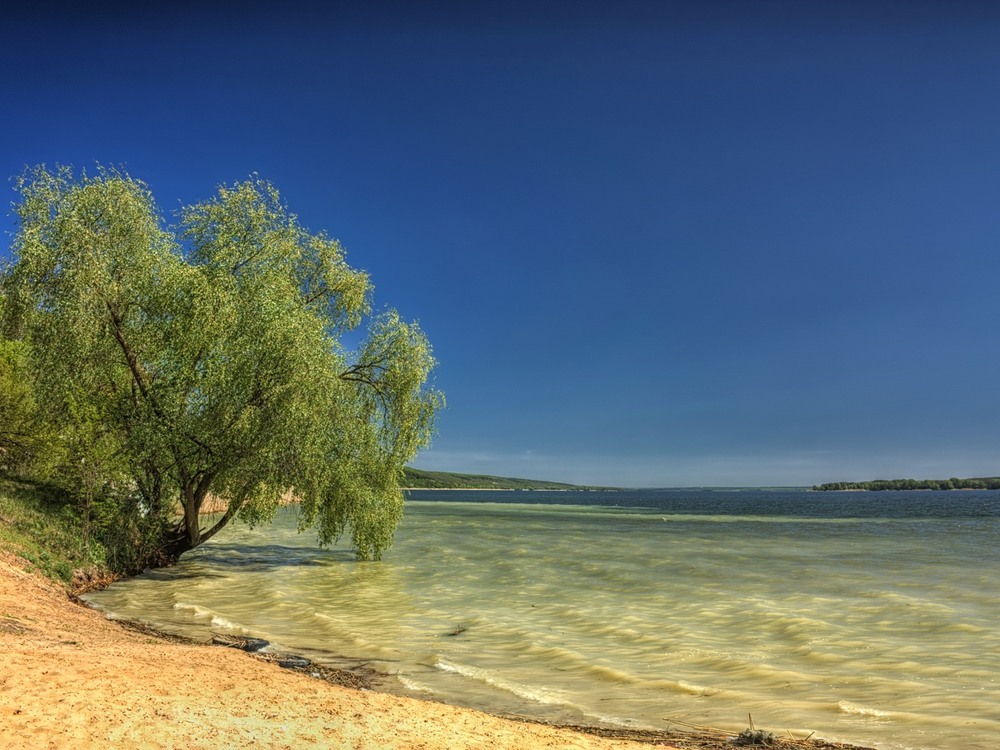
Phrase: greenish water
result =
(864, 618)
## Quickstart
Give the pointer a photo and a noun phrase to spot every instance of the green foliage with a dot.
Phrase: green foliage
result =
(878, 485)
(204, 357)
(18, 412)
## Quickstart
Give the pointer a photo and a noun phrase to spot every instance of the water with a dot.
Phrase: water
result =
(863, 617)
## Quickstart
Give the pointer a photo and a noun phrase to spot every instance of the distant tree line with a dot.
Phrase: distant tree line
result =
(419, 479)
(983, 483)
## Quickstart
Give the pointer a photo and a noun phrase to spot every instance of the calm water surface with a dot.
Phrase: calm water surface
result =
(871, 618)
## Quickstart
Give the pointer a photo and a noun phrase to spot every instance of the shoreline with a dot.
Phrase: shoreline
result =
(73, 677)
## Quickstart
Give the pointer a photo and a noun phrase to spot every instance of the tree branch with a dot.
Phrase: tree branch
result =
(232, 509)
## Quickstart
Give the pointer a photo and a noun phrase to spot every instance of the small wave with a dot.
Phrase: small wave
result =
(222, 622)
(412, 685)
(853, 708)
(680, 686)
(566, 660)
(214, 619)
(526, 692)
(610, 674)
(688, 687)
(199, 612)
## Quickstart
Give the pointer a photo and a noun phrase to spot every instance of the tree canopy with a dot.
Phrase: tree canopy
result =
(205, 356)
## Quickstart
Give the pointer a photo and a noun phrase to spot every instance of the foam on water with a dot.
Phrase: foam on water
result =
(527, 692)
(215, 620)
(852, 708)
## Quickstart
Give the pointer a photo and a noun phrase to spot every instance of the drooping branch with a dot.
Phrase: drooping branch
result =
(231, 511)
(360, 373)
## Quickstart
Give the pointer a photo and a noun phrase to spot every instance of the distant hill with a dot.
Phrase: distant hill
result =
(444, 480)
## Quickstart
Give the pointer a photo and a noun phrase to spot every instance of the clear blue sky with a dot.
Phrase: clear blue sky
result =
(653, 244)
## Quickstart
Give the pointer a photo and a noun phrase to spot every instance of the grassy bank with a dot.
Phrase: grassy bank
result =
(40, 527)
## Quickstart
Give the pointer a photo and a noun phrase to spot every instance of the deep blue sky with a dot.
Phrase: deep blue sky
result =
(652, 243)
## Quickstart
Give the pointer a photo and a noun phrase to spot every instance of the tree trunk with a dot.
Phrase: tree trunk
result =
(192, 519)
(174, 545)
(188, 533)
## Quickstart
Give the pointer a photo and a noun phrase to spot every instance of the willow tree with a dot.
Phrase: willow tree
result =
(204, 357)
